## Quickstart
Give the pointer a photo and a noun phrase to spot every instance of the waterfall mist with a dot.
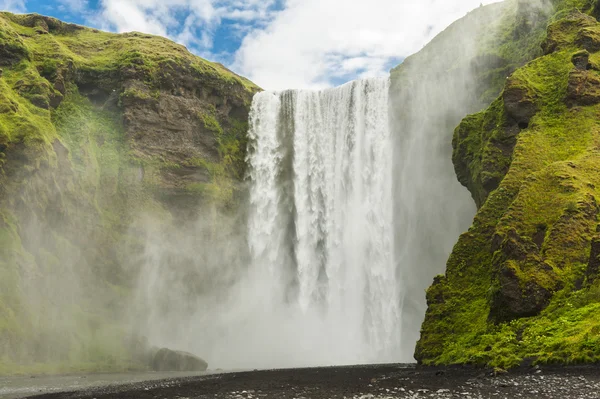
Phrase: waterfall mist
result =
(322, 256)
(351, 213)
(353, 208)
(320, 286)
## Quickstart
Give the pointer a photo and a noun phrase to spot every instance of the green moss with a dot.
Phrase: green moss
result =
(510, 36)
(211, 123)
(12, 47)
(73, 183)
(531, 236)
(22, 121)
(137, 93)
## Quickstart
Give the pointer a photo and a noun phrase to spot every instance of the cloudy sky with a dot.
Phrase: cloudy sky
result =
(276, 43)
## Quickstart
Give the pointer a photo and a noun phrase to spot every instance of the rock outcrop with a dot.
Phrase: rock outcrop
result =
(170, 360)
(521, 285)
(96, 130)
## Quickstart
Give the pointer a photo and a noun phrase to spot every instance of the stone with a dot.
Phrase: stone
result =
(589, 39)
(581, 60)
(518, 292)
(170, 360)
(583, 88)
(519, 103)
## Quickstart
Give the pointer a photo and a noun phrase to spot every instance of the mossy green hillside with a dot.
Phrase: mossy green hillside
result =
(87, 122)
(520, 284)
(495, 40)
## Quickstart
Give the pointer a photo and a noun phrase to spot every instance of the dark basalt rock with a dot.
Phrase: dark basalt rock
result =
(514, 300)
(581, 60)
(573, 23)
(519, 103)
(589, 39)
(583, 88)
(519, 270)
(170, 360)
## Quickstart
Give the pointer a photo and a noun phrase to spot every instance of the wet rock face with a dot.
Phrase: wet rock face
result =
(170, 360)
(583, 88)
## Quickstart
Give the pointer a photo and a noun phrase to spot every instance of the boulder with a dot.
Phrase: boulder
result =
(589, 39)
(583, 88)
(581, 60)
(519, 102)
(523, 284)
(170, 360)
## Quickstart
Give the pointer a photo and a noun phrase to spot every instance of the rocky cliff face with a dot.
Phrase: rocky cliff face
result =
(96, 130)
(520, 285)
(462, 70)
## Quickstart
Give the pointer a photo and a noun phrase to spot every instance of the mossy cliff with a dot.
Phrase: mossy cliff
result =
(95, 130)
(461, 71)
(522, 284)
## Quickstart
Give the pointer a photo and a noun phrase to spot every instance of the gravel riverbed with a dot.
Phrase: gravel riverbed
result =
(361, 382)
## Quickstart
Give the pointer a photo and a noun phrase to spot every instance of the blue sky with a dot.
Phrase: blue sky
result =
(277, 43)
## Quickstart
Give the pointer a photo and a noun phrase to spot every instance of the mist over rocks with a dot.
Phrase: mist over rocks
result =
(135, 201)
(169, 360)
(120, 157)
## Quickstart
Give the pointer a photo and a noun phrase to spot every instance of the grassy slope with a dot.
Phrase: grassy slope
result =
(516, 285)
(69, 185)
(508, 35)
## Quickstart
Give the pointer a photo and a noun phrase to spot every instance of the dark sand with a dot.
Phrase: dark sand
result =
(381, 381)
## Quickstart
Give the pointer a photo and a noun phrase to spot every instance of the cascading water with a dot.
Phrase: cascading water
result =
(354, 208)
(321, 223)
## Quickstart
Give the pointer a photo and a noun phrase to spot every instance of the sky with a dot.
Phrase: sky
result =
(278, 44)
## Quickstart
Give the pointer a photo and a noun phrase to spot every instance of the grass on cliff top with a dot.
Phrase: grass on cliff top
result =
(86, 47)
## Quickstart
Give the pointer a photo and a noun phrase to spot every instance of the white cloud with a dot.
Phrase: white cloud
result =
(190, 22)
(12, 5)
(312, 41)
(307, 44)
(73, 6)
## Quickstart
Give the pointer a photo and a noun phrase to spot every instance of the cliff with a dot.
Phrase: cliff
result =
(110, 143)
(461, 71)
(521, 285)
(96, 131)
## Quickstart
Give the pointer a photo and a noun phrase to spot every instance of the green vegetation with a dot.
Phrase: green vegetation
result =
(520, 284)
(510, 36)
(81, 155)
(104, 53)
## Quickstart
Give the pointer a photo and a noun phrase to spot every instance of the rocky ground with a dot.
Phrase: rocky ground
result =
(386, 381)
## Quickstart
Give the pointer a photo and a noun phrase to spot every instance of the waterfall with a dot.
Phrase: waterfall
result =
(352, 211)
(321, 232)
